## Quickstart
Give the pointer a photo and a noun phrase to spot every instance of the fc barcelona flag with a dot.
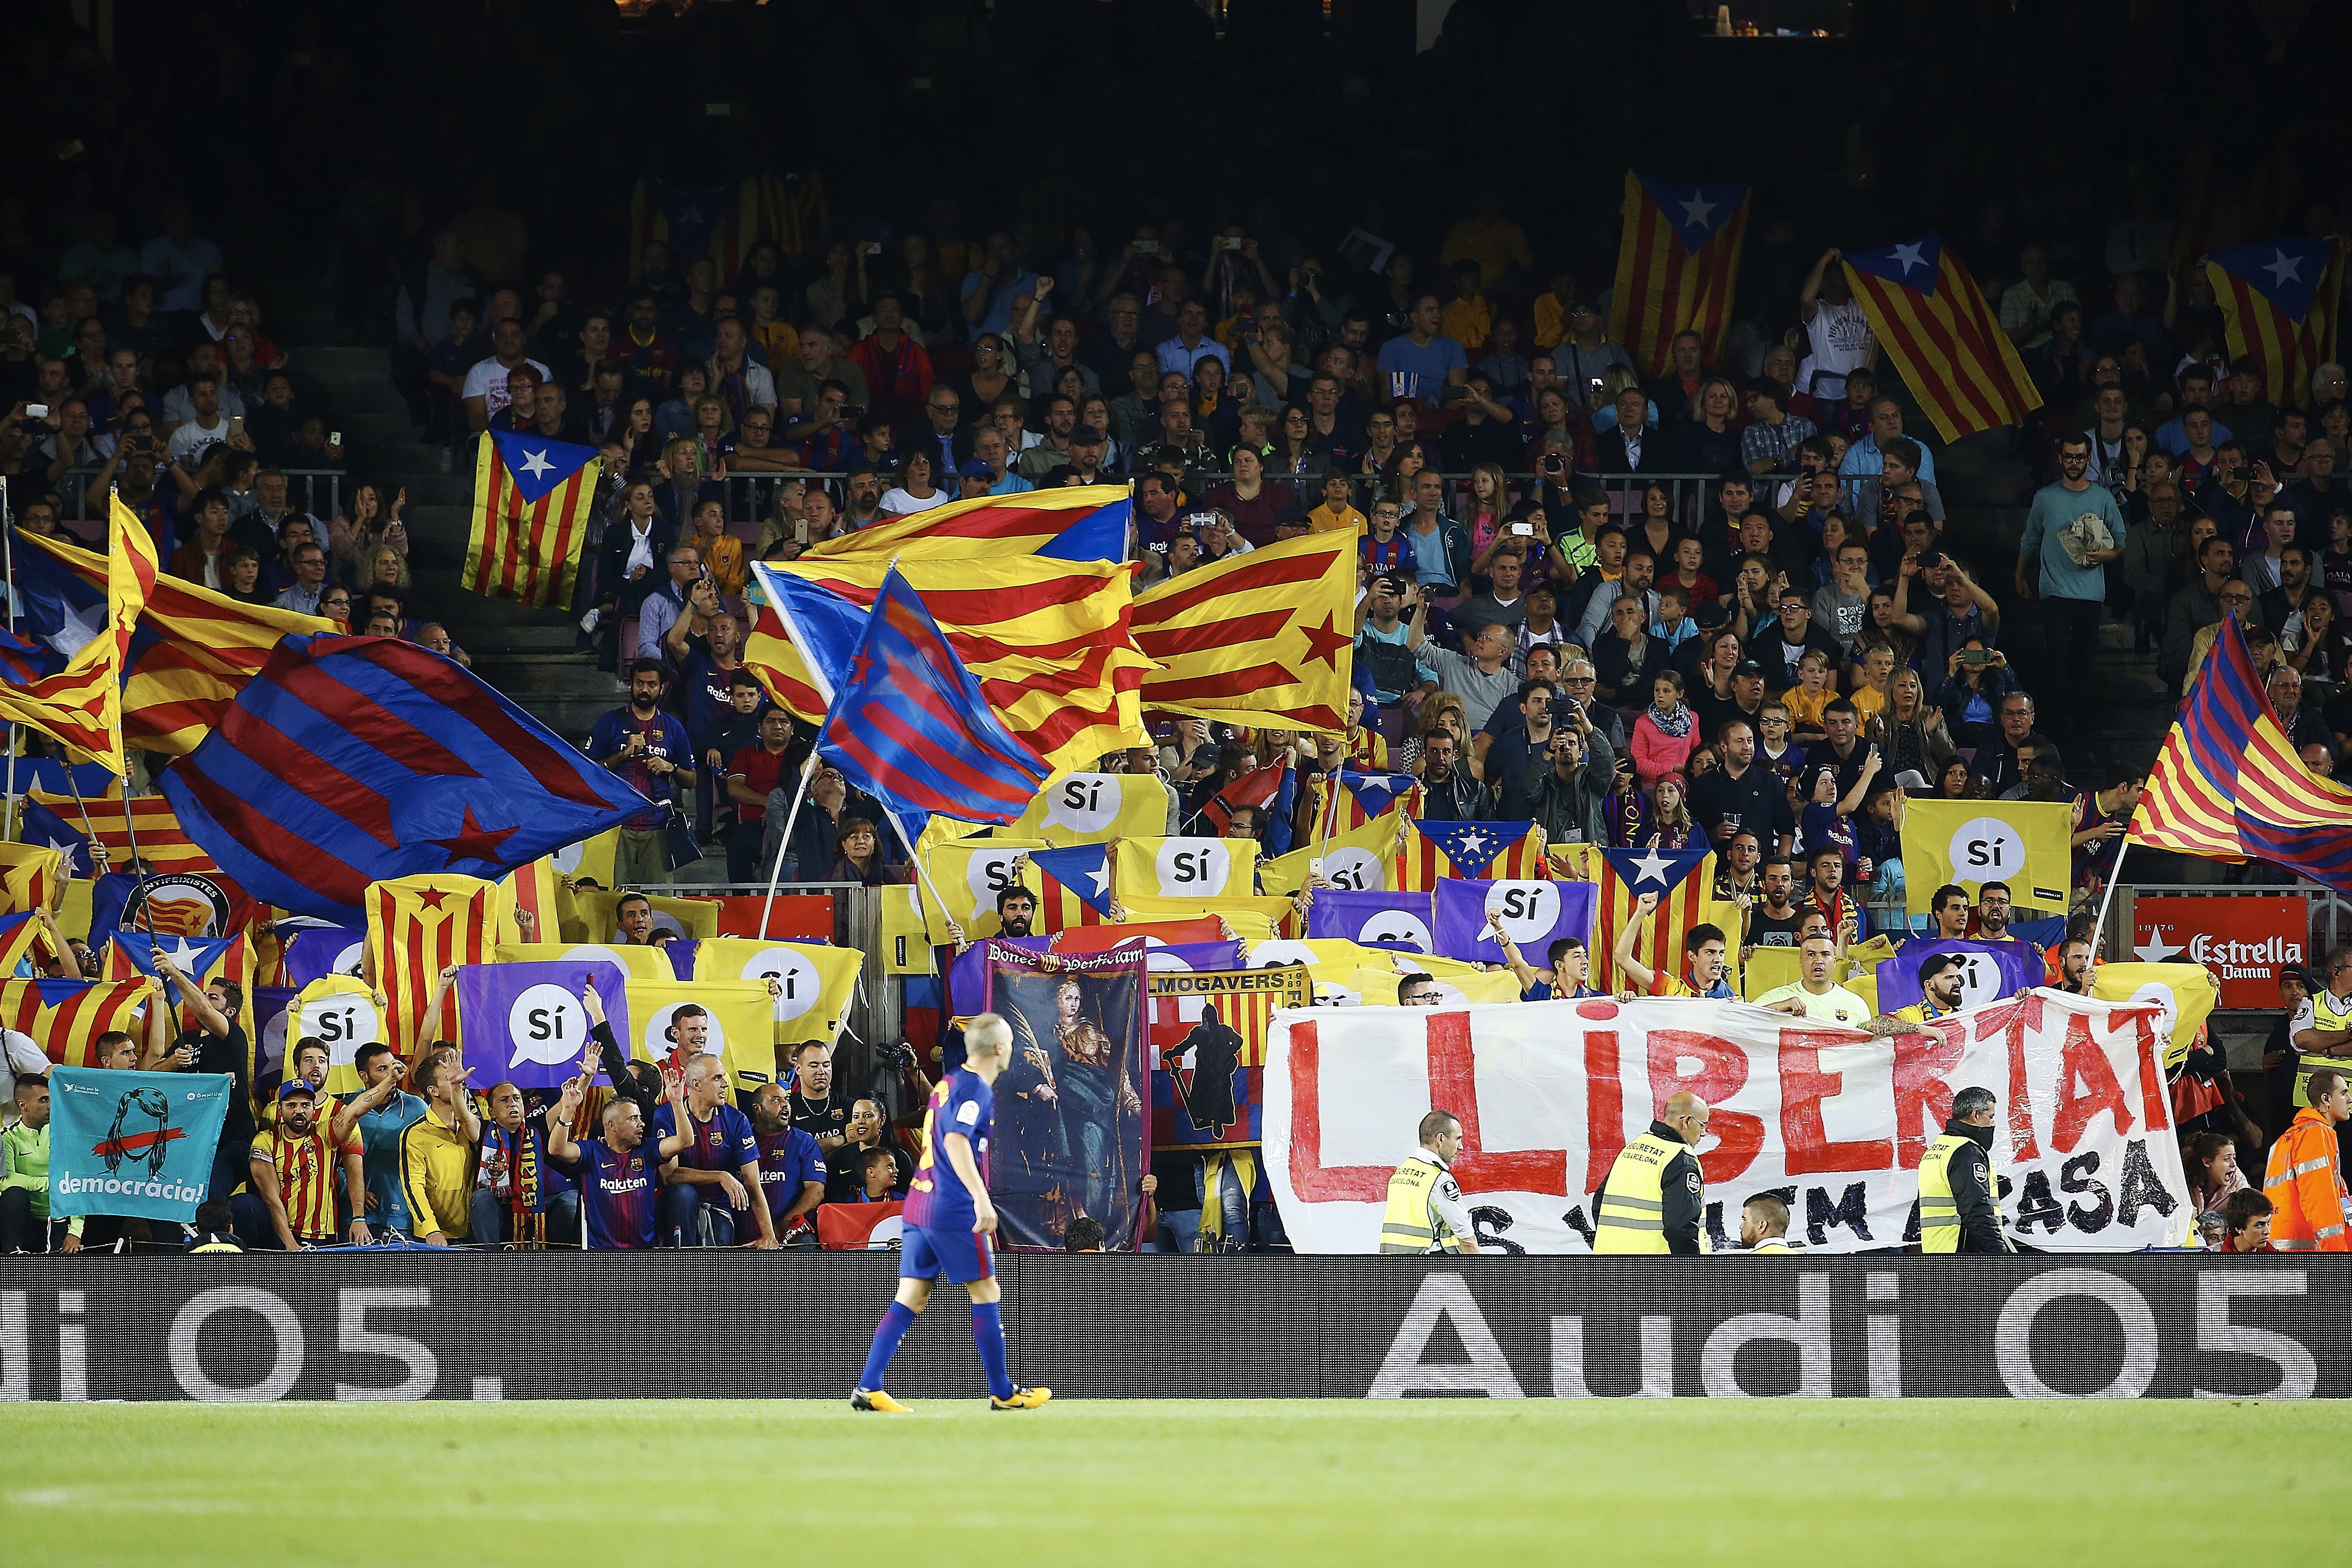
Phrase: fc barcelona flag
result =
(2278, 302)
(1502, 851)
(1681, 879)
(532, 497)
(1677, 266)
(1936, 326)
(419, 926)
(1208, 1052)
(1073, 886)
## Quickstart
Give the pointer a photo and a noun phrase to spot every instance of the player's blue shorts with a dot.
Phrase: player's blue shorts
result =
(961, 1255)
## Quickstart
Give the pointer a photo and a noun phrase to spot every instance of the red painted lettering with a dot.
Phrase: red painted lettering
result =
(2155, 1102)
(1454, 1086)
(2017, 1017)
(2087, 1086)
(1309, 1177)
(1803, 1086)
(1605, 1105)
(1923, 1094)
(1722, 1073)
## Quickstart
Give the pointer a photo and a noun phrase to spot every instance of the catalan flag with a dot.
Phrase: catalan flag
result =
(2279, 302)
(2228, 784)
(80, 706)
(1270, 791)
(163, 845)
(1677, 266)
(65, 1017)
(1934, 324)
(1497, 851)
(419, 926)
(20, 938)
(537, 890)
(1362, 797)
(1683, 879)
(1073, 886)
(1267, 638)
(1049, 641)
(1075, 522)
(722, 223)
(532, 497)
(193, 652)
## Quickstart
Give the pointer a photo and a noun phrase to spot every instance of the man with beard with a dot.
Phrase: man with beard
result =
(648, 748)
(1016, 911)
(292, 1176)
(792, 1172)
(512, 1192)
(818, 1106)
(1940, 976)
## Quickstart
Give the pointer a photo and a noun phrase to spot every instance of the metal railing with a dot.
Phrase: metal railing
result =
(319, 492)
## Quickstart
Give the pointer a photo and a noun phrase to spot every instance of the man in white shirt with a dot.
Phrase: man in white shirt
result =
(1837, 328)
(1816, 996)
(485, 390)
(206, 422)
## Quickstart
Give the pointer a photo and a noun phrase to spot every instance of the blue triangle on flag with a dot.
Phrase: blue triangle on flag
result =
(1082, 869)
(2283, 271)
(1696, 211)
(536, 465)
(1472, 847)
(1914, 264)
(1658, 871)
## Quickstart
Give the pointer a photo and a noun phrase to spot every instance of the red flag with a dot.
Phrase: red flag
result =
(858, 1227)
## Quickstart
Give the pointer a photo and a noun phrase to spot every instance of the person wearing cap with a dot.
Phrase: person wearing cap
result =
(292, 1178)
(1585, 353)
(1086, 446)
(1940, 976)
(1959, 1196)
(975, 478)
(2280, 1056)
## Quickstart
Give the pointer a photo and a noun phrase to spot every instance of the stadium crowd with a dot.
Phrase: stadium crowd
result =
(1721, 608)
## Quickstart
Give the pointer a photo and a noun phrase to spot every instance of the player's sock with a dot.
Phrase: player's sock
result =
(988, 1333)
(886, 1335)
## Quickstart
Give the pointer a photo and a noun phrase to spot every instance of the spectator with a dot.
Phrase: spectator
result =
(1481, 677)
(1665, 736)
(718, 1173)
(292, 1176)
(1420, 363)
(385, 1111)
(1567, 799)
(437, 1153)
(515, 1188)
(25, 1216)
(620, 1172)
(648, 748)
(2072, 531)
(846, 1174)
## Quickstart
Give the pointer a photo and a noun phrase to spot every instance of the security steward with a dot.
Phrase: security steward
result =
(1960, 1206)
(2304, 1179)
(1764, 1223)
(1654, 1196)
(1425, 1213)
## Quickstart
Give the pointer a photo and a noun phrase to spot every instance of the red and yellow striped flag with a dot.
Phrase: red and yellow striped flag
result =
(532, 497)
(1049, 640)
(721, 222)
(163, 845)
(1267, 638)
(1684, 881)
(1499, 851)
(65, 1017)
(1677, 266)
(2228, 784)
(193, 652)
(2279, 302)
(80, 707)
(419, 926)
(1933, 321)
(1034, 522)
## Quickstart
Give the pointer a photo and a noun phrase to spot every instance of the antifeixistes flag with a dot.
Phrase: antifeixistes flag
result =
(1534, 915)
(2279, 300)
(532, 500)
(1677, 266)
(1931, 317)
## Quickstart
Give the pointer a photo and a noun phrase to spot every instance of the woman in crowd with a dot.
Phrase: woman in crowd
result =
(1957, 782)
(988, 380)
(2324, 651)
(915, 490)
(1709, 445)
(638, 436)
(922, 292)
(353, 534)
(1438, 710)
(1976, 678)
(1253, 503)
(1295, 456)
(2211, 1160)
(857, 855)
(1666, 733)
(1909, 733)
(1094, 414)
(335, 605)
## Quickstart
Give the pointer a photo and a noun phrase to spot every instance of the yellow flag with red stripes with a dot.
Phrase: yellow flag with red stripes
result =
(2279, 302)
(416, 926)
(1931, 317)
(1268, 637)
(80, 706)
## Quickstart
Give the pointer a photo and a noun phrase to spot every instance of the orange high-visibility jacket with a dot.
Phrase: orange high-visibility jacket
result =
(2304, 1184)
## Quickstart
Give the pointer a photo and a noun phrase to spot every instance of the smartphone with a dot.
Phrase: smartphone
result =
(1975, 656)
(800, 530)
(1315, 867)
(1524, 529)
(1232, 244)
(36, 410)
(1147, 247)
(1595, 383)
(873, 248)
(335, 438)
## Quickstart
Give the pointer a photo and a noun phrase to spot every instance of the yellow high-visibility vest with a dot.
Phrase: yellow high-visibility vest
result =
(1411, 1224)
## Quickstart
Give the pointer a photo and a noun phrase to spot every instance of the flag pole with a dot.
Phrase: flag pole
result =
(921, 870)
(130, 828)
(2108, 898)
(8, 563)
(784, 839)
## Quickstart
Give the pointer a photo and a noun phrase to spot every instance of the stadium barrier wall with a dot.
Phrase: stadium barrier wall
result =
(563, 1325)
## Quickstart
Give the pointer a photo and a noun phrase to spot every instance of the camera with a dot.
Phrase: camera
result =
(1930, 560)
(900, 1056)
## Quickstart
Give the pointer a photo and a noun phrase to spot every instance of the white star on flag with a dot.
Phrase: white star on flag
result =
(71, 847)
(1651, 868)
(1472, 844)
(1909, 255)
(2156, 950)
(1696, 210)
(535, 464)
(1100, 878)
(2283, 268)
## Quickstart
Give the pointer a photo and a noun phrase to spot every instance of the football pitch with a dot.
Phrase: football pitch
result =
(1136, 1483)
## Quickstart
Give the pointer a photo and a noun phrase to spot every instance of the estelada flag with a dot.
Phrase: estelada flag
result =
(535, 889)
(193, 651)
(1267, 638)
(1073, 886)
(80, 705)
(532, 500)
(65, 1017)
(860, 1228)
(20, 938)
(1362, 797)
(2279, 302)
(1208, 1052)
(1683, 879)
(1933, 321)
(1500, 851)
(2024, 843)
(1677, 266)
(1049, 641)
(1094, 808)
(1075, 522)
(419, 926)
(2229, 785)
(163, 844)
(29, 877)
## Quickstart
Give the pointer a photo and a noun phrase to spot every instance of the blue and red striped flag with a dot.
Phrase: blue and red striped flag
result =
(1677, 266)
(351, 760)
(2278, 301)
(909, 725)
(2228, 784)
(1932, 320)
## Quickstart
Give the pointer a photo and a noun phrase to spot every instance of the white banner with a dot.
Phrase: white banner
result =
(1832, 1120)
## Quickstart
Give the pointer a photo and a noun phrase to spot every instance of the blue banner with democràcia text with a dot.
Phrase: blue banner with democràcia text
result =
(133, 1144)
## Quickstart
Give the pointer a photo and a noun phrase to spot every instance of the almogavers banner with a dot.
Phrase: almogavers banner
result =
(1832, 1120)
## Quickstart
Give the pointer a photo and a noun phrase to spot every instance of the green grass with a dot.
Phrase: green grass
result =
(1137, 1484)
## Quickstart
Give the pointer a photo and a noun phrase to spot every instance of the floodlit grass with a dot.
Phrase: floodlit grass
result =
(1176, 1483)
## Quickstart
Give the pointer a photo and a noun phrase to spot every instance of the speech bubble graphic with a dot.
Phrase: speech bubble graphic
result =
(1357, 870)
(989, 874)
(1086, 803)
(1199, 866)
(1528, 910)
(1397, 926)
(546, 1025)
(798, 983)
